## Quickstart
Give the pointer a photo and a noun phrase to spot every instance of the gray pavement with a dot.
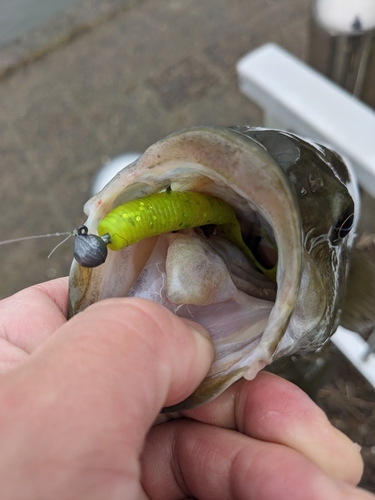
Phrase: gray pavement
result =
(19, 17)
(108, 77)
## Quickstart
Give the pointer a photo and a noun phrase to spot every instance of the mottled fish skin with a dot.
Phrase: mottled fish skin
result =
(327, 194)
(298, 188)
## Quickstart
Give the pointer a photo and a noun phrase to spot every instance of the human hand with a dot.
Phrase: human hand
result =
(78, 401)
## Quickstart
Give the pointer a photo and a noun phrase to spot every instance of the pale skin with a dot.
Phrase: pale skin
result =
(79, 401)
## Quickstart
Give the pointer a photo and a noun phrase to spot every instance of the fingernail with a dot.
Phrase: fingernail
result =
(357, 446)
(196, 327)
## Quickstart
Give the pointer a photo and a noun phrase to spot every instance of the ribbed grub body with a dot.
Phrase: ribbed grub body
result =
(162, 213)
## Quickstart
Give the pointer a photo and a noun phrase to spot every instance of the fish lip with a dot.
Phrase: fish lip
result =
(227, 156)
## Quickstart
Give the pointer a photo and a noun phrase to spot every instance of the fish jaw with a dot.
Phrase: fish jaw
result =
(238, 169)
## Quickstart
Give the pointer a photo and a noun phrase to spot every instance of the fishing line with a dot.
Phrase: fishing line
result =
(49, 235)
(59, 244)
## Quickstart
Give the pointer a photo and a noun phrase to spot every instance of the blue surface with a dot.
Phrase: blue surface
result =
(17, 17)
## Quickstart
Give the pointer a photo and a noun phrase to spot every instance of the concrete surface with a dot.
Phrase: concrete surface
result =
(18, 17)
(109, 77)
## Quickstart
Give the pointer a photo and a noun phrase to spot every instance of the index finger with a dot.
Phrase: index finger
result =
(272, 409)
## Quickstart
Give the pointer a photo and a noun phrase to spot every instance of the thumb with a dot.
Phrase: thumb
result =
(160, 358)
(93, 389)
(134, 349)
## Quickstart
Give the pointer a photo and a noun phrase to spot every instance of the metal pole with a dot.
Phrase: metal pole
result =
(342, 44)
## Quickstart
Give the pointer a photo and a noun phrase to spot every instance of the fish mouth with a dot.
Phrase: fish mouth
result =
(194, 272)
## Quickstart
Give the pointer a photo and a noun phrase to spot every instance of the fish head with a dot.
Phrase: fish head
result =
(263, 175)
(328, 201)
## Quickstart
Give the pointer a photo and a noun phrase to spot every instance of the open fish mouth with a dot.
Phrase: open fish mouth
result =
(253, 316)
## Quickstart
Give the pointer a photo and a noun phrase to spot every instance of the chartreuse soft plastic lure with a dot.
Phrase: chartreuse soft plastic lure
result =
(171, 211)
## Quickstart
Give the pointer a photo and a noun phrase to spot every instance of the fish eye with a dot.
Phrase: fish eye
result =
(341, 228)
(346, 226)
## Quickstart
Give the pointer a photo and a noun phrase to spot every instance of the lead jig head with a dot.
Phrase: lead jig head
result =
(90, 250)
